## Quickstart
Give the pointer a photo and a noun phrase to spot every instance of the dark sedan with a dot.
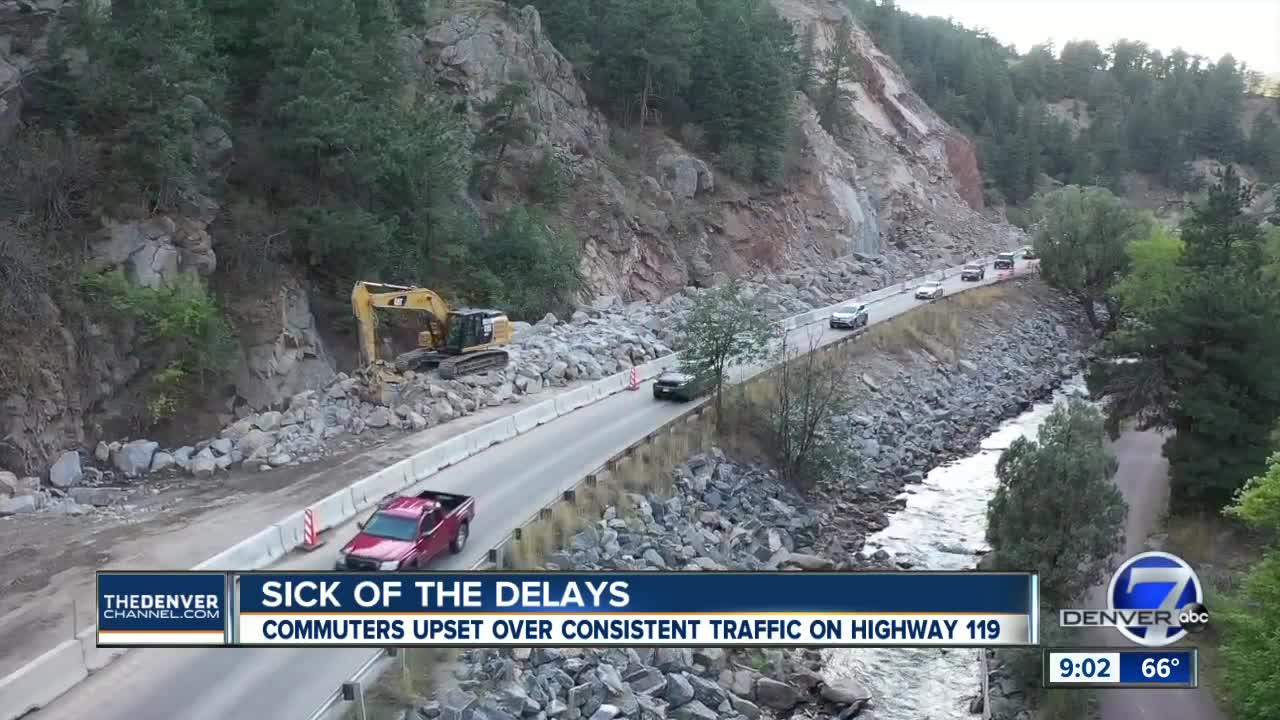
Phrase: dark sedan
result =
(677, 385)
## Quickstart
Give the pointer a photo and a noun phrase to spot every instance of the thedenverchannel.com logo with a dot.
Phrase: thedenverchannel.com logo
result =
(1155, 599)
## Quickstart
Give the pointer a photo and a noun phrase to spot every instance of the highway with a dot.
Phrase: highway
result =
(509, 481)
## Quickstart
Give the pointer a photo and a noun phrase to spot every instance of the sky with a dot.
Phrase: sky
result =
(1248, 29)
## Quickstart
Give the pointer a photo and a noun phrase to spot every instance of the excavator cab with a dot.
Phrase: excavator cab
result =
(471, 329)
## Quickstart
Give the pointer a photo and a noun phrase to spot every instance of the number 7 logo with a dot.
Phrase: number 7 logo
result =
(1147, 569)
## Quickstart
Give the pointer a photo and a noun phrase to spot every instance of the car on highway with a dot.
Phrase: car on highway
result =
(973, 271)
(1029, 253)
(678, 384)
(408, 532)
(850, 317)
(1004, 261)
(929, 291)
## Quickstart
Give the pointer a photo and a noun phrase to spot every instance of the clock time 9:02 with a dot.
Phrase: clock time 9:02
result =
(1088, 667)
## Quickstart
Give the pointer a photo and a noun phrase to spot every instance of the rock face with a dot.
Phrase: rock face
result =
(909, 196)
(282, 352)
(477, 50)
(154, 251)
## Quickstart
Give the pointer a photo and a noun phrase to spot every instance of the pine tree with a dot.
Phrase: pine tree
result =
(840, 66)
(505, 123)
(1202, 365)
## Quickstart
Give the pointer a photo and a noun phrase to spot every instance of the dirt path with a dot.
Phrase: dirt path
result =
(1144, 479)
(47, 561)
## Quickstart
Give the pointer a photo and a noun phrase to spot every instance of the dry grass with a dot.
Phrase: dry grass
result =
(412, 678)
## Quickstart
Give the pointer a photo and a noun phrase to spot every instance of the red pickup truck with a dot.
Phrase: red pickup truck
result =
(407, 533)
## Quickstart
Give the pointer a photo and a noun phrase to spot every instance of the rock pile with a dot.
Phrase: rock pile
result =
(722, 515)
(316, 423)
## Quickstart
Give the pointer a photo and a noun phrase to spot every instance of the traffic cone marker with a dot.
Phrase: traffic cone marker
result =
(311, 539)
(635, 379)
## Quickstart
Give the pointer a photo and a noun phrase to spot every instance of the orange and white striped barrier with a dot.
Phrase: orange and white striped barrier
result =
(635, 379)
(310, 538)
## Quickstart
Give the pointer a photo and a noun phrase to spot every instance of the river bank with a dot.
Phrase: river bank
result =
(917, 413)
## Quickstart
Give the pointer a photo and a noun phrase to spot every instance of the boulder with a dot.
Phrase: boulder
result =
(777, 695)
(204, 465)
(66, 472)
(18, 505)
(8, 483)
(134, 458)
(98, 496)
(683, 175)
(161, 461)
(844, 692)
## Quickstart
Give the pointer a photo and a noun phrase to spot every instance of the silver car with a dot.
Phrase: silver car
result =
(929, 291)
(850, 317)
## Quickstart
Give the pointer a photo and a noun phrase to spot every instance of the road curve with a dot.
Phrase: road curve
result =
(509, 481)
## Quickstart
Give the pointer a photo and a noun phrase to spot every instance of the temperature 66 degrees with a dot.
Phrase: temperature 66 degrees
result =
(1159, 668)
(983, 629)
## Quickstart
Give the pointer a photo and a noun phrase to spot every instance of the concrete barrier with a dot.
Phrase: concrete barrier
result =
(572, 400)
(292, 531)
(42, 680)
(453, 450)
(95, 658)
(532, 417)
(334, 510)
(253, 552)
(428, 462)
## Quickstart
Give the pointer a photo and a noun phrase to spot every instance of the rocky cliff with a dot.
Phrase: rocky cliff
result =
(894, 195)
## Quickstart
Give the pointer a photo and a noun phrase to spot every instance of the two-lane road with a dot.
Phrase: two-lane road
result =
(510, 482)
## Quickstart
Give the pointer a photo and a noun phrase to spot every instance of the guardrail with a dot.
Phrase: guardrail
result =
(67, 664)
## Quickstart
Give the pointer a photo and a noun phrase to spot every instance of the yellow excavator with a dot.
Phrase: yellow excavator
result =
(457, 342)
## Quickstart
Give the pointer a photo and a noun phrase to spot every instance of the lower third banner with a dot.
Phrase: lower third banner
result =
(141, 609)
(564, 609)
(687, 609)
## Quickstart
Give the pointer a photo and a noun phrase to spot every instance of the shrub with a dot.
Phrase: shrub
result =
(524, 266)
(180, 323)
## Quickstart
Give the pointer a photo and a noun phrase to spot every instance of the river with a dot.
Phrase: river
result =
(942, 527)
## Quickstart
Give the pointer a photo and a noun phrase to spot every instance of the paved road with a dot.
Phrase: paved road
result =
(510, 482)
(1144, 480)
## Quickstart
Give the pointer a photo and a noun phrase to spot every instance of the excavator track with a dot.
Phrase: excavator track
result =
(474, 362)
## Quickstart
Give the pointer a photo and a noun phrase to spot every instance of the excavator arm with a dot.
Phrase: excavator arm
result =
(367, 297)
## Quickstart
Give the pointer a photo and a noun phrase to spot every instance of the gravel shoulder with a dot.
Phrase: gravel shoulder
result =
(49, 559)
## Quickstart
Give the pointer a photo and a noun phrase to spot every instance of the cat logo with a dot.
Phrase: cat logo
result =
(398, 301)
(488, 325)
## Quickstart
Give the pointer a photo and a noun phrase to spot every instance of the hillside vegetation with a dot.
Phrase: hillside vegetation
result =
(1081, 114)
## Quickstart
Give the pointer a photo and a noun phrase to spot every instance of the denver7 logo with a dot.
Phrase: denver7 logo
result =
(1155, 581)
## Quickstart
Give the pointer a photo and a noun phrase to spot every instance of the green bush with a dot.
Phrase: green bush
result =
(524, 266)
(181, 323)
(550, 181)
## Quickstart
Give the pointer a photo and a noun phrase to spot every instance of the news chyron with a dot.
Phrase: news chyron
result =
(562, 609)
(146, 609)
(1154, 599)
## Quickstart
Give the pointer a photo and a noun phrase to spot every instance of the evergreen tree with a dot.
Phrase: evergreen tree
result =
(1056, 510)
(1197, 366)
(1082, 235)
(1264, 145)
(504, 123)
(840, 66)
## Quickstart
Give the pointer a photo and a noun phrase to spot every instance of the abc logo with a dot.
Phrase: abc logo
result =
(1158, 581)
(1194, 617)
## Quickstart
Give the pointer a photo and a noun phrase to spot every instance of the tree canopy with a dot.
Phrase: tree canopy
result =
(1056, 510)
(1136, 108)
(1196, 357)
(1082, 236)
